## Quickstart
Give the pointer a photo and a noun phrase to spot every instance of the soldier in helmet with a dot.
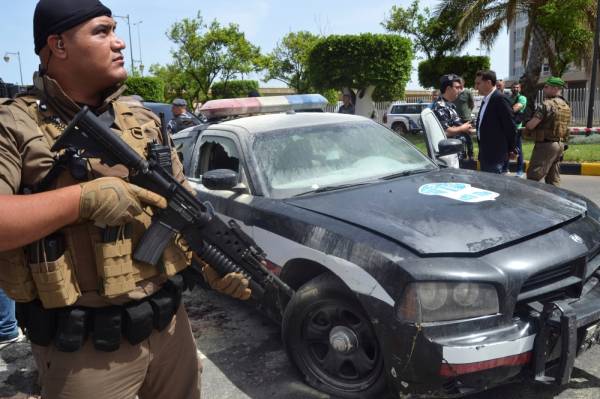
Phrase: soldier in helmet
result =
(549, 129)
(101, 324)
(181, 117)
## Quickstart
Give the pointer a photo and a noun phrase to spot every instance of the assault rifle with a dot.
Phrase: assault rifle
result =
(222, 245)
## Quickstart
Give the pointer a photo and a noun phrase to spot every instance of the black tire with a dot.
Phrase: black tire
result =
(317, 307)
(399, 127)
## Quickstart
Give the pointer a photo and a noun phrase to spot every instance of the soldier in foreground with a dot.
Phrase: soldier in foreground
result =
(549, 128)
(101, 324)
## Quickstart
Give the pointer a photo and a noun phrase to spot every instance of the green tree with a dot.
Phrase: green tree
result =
(150, 88)
(176, 83)
(362, 63)
(206, 53)
(288, 61)
(489, 17)
(233, 88)
(434, 36)
(467, 66)
(568, 24)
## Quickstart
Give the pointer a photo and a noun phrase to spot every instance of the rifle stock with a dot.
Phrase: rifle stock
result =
(206, 233)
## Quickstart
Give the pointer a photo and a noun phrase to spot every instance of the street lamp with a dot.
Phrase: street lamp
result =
(7, 59)
(126, 17)
(591, 105)
(140, 46)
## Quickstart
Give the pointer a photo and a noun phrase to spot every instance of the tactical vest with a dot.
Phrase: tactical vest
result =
(88, 263)
(555, 125)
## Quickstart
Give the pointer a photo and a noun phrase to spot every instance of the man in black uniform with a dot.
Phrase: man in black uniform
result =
(446, 113)
(181, 117)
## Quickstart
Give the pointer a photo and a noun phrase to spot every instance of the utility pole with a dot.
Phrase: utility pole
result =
(7, 59)
(590, 119)
(126, 17)
(140, 47)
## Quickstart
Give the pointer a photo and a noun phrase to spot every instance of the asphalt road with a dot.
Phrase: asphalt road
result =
(243, 356)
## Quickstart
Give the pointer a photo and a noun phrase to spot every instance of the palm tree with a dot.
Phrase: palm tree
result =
(488, 17)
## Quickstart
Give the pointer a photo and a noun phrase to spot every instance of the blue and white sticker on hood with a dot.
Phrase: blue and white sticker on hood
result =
(458, 191)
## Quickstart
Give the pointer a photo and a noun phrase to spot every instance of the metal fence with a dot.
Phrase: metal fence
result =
(577, 98)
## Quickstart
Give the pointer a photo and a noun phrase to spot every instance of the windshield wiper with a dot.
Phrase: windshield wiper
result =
(331, 188)
(405, 173)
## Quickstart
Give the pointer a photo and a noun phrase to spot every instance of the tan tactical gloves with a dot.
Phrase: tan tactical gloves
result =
(112, 201)
(232, 284)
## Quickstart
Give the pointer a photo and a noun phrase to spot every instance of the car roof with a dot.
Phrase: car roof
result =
(265, 123)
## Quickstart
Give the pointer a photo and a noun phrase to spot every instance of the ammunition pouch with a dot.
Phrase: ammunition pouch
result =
(69, 327)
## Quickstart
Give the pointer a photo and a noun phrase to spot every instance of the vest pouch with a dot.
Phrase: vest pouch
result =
(16, 279)
(55, 281)
(175, 258)
(115, 267)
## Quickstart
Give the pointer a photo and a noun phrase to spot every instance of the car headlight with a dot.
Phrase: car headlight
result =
(442, 301)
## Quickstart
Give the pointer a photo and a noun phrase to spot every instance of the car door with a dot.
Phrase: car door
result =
(221, 150)
(434, 133)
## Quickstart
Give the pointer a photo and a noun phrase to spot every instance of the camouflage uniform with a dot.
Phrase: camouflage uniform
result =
(164, 364)
(446, 113)
(549, 136)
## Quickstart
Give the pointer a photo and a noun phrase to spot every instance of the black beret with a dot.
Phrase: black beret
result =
(53, 17)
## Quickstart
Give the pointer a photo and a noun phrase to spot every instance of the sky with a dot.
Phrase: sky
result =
(264, 22)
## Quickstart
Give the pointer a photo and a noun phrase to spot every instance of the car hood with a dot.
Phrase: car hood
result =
(449, 211)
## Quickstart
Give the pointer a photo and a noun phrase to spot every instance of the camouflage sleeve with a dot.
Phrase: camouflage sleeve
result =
(440, 115)
(25, 153)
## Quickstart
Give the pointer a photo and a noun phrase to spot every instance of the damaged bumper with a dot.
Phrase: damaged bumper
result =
(539, 344)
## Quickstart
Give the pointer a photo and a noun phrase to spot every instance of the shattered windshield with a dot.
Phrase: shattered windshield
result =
(310, 158)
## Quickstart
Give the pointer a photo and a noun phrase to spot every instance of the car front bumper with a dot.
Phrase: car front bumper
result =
(540, 344)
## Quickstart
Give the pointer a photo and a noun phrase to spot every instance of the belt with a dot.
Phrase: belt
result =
(548, 141)
(69, 327)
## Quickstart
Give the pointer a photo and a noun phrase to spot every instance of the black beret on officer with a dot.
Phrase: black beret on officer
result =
(53, 17)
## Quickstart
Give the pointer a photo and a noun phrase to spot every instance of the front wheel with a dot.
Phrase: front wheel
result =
(330, 339)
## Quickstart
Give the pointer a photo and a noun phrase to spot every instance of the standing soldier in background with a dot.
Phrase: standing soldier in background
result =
(549, 129)
(101, 324)
(181, 117)
(464, 103)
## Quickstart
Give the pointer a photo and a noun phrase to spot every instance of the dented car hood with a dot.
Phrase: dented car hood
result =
(448, 211)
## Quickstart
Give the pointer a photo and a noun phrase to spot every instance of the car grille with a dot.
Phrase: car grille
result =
(556, 283)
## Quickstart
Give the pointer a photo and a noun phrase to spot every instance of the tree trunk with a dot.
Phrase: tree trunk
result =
(364, 102)
(533, 69)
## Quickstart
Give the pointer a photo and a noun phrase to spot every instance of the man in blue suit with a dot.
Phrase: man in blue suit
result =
(496, 129)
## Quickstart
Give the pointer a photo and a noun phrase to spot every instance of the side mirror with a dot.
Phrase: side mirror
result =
(449, 147)
(220, 179)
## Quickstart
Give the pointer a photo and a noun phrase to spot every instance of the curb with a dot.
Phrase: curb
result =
(566, 168)
(583, 131)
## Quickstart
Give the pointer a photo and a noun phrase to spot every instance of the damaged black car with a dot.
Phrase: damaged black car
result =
(408, 275)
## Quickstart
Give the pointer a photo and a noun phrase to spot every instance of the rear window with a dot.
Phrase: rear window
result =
(408, 108)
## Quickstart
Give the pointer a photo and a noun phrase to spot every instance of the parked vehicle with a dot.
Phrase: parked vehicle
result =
(404, 117)
(427, 280)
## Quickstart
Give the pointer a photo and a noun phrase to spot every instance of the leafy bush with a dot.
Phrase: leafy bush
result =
(233, 88)
(150, 88)
(466, 66)
(359, 61)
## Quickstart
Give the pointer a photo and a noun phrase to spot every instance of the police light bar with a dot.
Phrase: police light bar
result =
(215, 109)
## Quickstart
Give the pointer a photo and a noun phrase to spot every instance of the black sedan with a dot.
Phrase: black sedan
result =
(427, 280)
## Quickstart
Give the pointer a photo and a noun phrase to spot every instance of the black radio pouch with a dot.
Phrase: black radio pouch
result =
(175, 286)
(39, 323)
(137, 322)
(72, 329)
(107, 328)
(162, 306)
